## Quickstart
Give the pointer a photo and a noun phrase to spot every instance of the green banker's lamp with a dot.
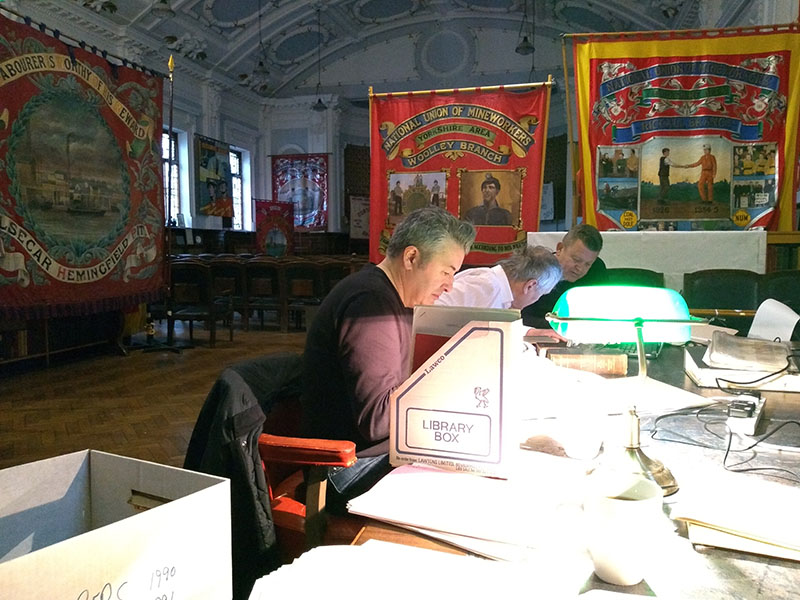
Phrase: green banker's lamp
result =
(623, 314)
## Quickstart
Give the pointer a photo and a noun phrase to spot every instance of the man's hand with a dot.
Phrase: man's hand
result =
(533, 332)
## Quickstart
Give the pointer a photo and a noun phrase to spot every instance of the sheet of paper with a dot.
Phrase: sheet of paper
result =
(649, 396)
(773, 321)
(701, 334)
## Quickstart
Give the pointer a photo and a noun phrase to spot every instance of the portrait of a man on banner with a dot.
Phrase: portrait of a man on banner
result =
(468, 151)
(490, 197)
(674, 137)
(81, 210)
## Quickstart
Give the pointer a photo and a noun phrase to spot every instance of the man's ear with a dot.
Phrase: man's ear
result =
(411, 257)
(559, 246)
(530, 285)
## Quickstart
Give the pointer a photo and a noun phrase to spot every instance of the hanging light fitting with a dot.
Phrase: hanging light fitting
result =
(525, 45)
(319, 105)
(258, 80)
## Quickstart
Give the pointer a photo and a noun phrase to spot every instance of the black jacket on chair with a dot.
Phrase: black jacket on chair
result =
(224, 442)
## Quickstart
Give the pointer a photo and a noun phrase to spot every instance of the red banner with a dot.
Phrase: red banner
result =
(275, 227)
(302, 179)
(477, 153)
(690, 130)
(81, 208)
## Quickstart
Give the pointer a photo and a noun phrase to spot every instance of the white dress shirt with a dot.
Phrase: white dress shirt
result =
(480, 287)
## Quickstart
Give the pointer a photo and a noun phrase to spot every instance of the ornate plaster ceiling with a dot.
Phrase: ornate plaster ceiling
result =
(387, 44)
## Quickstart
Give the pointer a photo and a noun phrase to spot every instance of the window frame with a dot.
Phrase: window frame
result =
(170, 165)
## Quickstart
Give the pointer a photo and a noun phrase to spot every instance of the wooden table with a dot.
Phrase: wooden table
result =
(377, 530)
(716, 572)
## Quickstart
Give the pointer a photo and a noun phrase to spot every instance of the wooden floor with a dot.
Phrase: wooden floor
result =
(142, 405)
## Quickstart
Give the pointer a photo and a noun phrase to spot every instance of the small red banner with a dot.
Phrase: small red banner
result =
(275, 227)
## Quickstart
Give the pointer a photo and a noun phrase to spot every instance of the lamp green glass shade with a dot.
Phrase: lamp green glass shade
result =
(609, 314)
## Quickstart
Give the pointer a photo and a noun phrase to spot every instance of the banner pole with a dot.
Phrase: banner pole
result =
(682, 33)
(513, 86)
(152, 347)
(572, 144)
(171, 65)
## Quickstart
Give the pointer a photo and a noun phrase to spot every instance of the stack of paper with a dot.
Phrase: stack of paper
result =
(497, 518)
(392, 571)
(396, 572)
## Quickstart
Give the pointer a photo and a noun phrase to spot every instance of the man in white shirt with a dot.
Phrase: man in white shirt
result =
(514, 282)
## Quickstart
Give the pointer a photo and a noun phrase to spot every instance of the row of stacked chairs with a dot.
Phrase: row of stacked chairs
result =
(728, 289)
(281, 291)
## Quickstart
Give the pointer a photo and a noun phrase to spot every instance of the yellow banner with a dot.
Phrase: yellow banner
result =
(640, 97)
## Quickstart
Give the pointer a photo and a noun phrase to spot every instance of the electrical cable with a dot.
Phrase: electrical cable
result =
(700, 414)
(762, 378)
(793, 476)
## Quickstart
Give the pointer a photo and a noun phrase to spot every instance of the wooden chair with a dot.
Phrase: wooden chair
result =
(305, 289)
(265, 288)
(729, 296)
(244, 432)
(722, 289)
(296, 471)
(783, 286)
(298, 501)
(228, 278)
(634, 276)
(193, 299)
(333, 271)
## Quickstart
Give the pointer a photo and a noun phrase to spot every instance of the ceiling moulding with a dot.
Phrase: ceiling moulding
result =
(510, 5)
(208, 14)
(405, 8)
(310, 50)
(188, 45)
(52, 13)
(100, 5)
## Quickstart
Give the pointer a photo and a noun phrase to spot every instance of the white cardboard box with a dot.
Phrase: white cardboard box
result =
(74, 527)
(459, 409)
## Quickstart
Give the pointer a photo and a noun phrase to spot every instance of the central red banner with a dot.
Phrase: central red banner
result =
(477, 153)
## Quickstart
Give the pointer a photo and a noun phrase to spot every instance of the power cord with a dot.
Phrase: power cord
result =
(699, 412)
(754, 381)
(793, 476)
(716, 414)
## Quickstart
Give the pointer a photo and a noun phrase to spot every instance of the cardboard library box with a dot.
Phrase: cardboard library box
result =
(458, 409)
(92, 525)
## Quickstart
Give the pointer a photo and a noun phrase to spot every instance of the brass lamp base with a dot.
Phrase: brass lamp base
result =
(649, 467)
(652, 469)
(630, 458)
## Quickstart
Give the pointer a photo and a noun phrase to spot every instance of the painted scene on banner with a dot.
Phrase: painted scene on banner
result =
(214, 181)
(476, 153)
(302, 180)
(696, 138)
